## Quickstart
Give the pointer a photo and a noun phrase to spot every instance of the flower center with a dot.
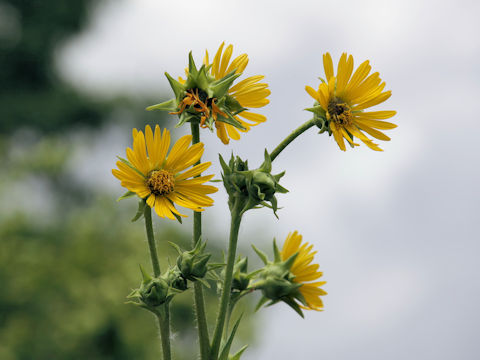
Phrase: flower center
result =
(161, 182)
(340, 112)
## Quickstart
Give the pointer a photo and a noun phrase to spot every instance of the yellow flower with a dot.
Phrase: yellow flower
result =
(158, 177)
(345, 97)
(304, 271)
(250, 93)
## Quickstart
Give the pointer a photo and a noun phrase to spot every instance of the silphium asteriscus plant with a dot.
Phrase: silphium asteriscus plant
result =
(209, 96)
(341, 101)
(291, 277)
(160, 177)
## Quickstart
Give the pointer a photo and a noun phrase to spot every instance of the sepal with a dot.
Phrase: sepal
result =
(127, 195)
(193, 264)
(170, 105)
(177, 87)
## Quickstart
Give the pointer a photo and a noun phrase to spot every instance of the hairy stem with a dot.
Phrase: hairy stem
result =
(199, 299)
(227, 284)
(163, 321)
(151, 240)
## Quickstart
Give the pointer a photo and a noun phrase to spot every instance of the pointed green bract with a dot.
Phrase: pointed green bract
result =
(127, 195)
(177, 87)
(170, 105)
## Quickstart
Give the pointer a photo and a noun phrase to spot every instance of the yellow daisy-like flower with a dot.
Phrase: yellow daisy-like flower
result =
(304, 271)
(345, 97)
(250, 93)
(156, 175)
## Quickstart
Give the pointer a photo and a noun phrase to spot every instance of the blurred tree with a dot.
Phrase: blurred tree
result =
(30, 92)
(65, 272)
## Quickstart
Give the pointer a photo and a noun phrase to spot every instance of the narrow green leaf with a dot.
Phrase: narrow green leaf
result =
(226, 347)
(238, 354)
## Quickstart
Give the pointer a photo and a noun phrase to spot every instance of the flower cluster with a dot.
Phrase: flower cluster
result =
(165, 177)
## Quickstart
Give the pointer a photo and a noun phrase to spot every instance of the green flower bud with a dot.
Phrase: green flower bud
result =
(175, 279)
(241, 278)
(192, 264)
(251, 187)
(262, 186)
(154, 293)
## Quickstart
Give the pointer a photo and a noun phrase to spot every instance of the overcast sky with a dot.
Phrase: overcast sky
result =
(396, 232)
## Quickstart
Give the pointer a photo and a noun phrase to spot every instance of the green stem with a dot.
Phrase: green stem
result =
(199, 299)
(228, 317)
(164, 323)
(227, 284)
(151, 240)
(302, 128)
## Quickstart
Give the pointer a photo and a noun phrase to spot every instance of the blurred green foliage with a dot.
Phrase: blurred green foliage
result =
(68, 260)
(65, 271)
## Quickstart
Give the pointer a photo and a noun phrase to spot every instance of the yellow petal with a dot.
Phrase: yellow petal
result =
(312, 93)
(328, 66)
(239, 63)
(247, 82)
(375, 133)
(377, 100)
(194, 171)
(383, 125)
(222, 133)
(257, 118)
(177, 151)
(216, 61)
(338, 136)
(225, 60)
(373, 115)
